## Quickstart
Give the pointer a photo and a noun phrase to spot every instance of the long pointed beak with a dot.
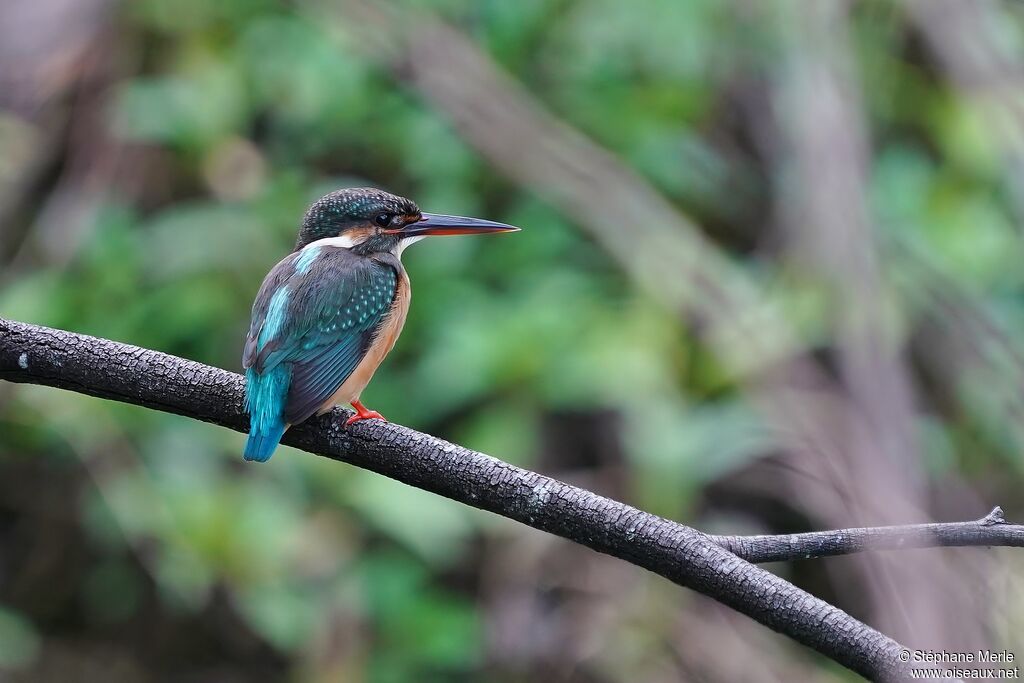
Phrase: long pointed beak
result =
(439, 224)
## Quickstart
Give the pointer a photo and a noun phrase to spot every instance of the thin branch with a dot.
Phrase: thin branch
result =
(990, 530)
(108, 369)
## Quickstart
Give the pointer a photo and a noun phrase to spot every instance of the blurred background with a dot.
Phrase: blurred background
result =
(769, 281)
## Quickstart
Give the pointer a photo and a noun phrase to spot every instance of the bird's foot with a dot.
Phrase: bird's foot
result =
(363, 413)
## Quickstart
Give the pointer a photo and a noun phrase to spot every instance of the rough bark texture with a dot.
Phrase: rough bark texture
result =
(111, 370)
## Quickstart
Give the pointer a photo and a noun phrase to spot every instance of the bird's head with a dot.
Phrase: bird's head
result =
(371, 221)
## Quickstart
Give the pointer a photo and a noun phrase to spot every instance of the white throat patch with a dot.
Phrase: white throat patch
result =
(400, 247)
(343, 241)
(346, 242)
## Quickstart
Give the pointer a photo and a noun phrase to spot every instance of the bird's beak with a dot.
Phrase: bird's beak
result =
(439, 224)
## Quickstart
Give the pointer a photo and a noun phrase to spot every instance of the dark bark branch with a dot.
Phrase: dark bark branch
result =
(111, 370)
(990, 530)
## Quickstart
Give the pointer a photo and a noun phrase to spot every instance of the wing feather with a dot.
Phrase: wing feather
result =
(334, 310)
(315, 381)
(278, 275)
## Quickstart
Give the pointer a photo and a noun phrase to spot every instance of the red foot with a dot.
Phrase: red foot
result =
(362, 413)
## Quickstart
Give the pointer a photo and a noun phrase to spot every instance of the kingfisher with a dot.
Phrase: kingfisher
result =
(328, 313)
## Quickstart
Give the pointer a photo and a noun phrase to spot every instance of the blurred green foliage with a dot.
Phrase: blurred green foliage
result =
(238, 114)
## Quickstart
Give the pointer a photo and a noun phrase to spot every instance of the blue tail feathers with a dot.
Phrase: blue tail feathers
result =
(265, 397)
(261, 444)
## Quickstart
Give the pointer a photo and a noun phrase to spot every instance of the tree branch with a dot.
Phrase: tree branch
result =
(108, 369)
(990, 530)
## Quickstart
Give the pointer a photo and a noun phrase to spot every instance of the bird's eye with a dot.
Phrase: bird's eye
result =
(383, 219)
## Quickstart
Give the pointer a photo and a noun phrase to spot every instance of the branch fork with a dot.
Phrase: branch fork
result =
(720, 567)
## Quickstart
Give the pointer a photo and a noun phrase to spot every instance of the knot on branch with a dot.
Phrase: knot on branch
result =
(994, 517)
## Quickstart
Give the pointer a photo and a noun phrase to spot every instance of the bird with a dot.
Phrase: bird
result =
(330, 311)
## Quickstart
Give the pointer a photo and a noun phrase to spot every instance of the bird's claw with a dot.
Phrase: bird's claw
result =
(364, 415)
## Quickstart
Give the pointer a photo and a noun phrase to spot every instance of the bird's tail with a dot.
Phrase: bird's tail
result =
(263, 442)
(265, 395)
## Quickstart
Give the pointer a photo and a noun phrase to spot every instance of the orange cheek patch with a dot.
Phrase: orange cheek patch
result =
(359, 235)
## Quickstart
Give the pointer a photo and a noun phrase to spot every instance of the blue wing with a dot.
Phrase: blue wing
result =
(313, 321)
